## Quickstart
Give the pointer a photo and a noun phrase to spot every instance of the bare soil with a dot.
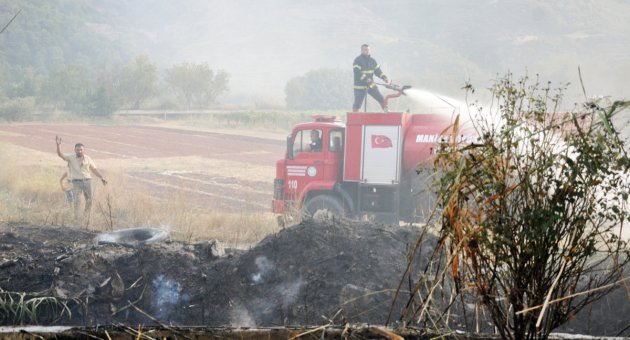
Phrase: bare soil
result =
(126, 142)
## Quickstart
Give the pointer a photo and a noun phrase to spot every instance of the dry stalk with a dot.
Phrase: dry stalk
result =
(553, 286)
(320, 328)
(385, 333)
(314, 330)
(159, 322)
(527, 310)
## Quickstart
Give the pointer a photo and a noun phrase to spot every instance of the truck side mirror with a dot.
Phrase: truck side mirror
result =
(289, 148)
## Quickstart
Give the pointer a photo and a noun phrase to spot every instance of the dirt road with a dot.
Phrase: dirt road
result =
(227, 171)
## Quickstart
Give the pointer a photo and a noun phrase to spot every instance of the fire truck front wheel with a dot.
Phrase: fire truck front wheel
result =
(324, 206)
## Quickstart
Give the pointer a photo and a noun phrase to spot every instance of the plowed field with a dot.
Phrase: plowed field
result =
(227, 171)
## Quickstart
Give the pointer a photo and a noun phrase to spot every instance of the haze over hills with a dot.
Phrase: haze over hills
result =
(434, 45)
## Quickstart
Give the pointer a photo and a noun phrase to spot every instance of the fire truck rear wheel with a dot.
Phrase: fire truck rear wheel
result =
(325, 205)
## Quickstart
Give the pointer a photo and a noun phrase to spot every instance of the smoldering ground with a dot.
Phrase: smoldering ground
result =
(294, 277)
(308, 274)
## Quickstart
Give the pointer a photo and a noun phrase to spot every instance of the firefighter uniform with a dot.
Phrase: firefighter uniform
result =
(365, 67)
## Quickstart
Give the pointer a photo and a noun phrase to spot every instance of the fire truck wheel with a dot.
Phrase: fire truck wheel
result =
(324, 206)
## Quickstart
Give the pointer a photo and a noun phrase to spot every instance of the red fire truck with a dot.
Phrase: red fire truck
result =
(365, 167)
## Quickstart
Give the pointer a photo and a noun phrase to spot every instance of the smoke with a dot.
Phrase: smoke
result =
(278, 300)
(264, 266)
(418, 39)
(288, 292)
(168, 295)
(240, 316)
(276, 296)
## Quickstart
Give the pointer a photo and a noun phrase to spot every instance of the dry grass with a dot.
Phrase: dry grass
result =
(30, 193)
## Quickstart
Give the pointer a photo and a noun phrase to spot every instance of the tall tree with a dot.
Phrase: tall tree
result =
(108, 92)
(140, 83)
(196, 84)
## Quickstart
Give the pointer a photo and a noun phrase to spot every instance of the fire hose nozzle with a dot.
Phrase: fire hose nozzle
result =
(394, 87)
(399, 89)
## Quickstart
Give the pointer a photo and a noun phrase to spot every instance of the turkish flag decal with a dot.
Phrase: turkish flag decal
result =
(381, 141)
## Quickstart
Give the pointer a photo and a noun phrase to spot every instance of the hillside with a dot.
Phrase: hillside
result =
(430, 44)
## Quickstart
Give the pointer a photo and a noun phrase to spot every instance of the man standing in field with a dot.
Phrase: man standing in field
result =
(365, 68)
(80, 169)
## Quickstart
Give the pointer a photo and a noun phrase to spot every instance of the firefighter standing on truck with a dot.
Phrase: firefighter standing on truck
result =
(365, 67)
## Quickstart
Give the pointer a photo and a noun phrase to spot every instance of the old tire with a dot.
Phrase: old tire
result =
(324, 206)
(132, 237)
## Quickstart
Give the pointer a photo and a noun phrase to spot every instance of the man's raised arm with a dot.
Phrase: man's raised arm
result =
(58, 141)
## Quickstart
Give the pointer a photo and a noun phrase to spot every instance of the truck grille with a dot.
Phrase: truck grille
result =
(278, 188)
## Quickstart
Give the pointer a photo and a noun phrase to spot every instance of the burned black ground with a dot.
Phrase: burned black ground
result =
(308, 274)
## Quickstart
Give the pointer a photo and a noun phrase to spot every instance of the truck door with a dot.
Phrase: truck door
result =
(307, 162)
(334, 159)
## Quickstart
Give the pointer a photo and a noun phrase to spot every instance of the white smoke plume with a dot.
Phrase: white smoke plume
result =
(240, 316)
(264, 266)
(168, 296)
